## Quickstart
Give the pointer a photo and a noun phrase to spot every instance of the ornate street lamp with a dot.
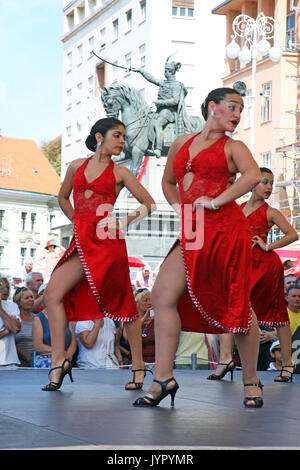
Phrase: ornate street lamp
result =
(256, 34)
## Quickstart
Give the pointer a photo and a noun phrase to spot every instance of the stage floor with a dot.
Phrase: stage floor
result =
(95, 412)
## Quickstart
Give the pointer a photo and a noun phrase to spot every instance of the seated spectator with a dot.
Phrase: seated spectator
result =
(41, 333)
(23, 297)
(9, 325)
(289, 280)
(122, 348)
(267, 335)
(96, 339)
(293, 307)
(27, 268)
(275, 353)
(16, 281)
(34, 280)
(143, 302)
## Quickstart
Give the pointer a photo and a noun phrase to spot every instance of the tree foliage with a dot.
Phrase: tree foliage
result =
(52, 150)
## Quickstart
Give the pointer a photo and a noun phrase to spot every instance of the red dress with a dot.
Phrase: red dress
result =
(267, 280)
(106, 289)
(217, 274)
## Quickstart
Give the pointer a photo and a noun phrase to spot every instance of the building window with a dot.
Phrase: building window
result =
(143, 10)
(78, 130)
(79, 92)
(23, 220)
(266, 159)
(290, 32)
(100, 71)
(182, 12)
(102, 37)
(32, 253)
(91, 86)
(2, 212)
(69, 60)
(81, 13)
(79, 54)
(92, 5)
(128, 60)
(69, 99)
(23, 255)
(33, 221)
(142, 52)
(91, 43)
(115, 30)
(129, 19)
(266, 105)
(70, 20)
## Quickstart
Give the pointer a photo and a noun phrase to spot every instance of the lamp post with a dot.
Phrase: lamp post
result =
(256, 34)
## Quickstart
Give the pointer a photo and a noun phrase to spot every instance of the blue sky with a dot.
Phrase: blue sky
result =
(31, 68)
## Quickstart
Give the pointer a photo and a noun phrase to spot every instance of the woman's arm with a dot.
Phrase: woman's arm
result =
(89, 337)
(66, 189)
(11, 323)
(275, 217)
(169, 184)
(37, 337)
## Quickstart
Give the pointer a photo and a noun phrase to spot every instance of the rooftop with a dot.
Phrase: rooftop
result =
(24, 167)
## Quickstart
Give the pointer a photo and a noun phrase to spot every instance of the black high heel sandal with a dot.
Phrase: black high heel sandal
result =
(285, 378)
(149, 401)
(228, 368)
(52, 386)
(138, 385)
(258, 401)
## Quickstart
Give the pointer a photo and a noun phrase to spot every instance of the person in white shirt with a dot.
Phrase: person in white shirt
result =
(92, 337)
(9, 325)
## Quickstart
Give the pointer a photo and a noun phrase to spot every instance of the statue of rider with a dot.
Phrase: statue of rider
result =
(170, 103)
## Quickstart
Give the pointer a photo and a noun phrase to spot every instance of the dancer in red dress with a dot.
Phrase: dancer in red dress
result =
(267, 277)
(204, 287)
(267, 280)
(92, 278)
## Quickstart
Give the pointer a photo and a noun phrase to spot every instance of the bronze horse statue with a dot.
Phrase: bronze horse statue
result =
(138, 118)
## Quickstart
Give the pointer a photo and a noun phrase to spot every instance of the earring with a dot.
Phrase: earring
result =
(98, 144)
(212, 113)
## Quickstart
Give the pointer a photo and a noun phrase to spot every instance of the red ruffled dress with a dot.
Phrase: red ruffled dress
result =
(218, 272)
(106, 288)
(267, 279)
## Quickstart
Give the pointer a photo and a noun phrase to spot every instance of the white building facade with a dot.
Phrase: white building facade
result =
(25, 226)
(137, 33)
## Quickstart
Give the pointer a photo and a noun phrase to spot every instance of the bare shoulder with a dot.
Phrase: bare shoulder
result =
(236, 144)
(75, 164)
(180, 141)
(122, 172)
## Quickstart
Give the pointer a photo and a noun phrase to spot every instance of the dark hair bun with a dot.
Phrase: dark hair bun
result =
(101, 126)
(91, 143)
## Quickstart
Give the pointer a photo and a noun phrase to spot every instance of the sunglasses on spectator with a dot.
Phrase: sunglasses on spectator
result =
(19, 289)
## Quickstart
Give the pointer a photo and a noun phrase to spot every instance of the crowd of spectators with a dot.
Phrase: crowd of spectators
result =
(25, 339)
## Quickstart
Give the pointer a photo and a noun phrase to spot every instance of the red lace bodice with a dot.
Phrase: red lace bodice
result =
(258, 221)
(210, 169)
(102, 198)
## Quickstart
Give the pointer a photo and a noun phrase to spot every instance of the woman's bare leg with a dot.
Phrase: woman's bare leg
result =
(285, 339)
(62, 280)
(134, 335)
(168, 288)
(226, 347)
(248, 348)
